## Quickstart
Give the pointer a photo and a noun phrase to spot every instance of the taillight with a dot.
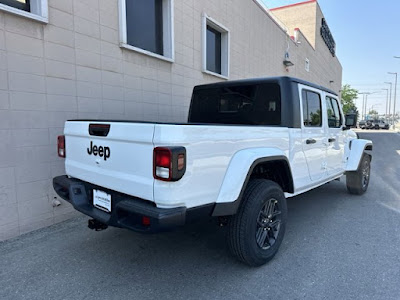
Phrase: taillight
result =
(61, 146)
(169, 163)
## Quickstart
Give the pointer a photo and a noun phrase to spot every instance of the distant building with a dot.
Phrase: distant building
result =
(129, 59)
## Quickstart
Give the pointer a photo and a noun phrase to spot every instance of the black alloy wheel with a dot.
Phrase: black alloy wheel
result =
(357, 181)
(366, 170)
(256, 231)
(268, 224)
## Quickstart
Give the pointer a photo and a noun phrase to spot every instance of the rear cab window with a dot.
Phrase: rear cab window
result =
(253, 104)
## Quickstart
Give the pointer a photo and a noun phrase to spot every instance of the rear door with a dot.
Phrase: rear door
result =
(336, 136)
(313, 132)
(113, 155)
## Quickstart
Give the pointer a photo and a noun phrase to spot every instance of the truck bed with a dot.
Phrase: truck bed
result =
(129, 167)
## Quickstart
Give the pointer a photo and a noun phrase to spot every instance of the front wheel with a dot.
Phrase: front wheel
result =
(256, 231)
(357, 182)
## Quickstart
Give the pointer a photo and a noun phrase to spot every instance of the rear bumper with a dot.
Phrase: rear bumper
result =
(126, 211)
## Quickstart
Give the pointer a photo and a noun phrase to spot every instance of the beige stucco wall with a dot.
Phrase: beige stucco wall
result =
(301, 16)
(73, 67)
(307, 17)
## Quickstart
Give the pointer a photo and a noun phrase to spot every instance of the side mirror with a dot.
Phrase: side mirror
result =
(351, 121)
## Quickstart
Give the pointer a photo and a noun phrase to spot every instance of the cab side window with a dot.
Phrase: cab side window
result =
(312, 109)
(333, 111)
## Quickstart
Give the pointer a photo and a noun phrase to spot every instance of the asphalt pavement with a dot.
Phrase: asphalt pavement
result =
(337, 246)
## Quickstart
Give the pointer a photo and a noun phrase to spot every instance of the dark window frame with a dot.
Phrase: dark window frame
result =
(18, 5)
(305, 92)
(157, 45)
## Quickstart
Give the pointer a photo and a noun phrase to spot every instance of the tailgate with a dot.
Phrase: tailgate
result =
(120, 160)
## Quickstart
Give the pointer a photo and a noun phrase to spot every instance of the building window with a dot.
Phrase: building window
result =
(312, 111)
(33, 9)
(145, 14)
(307, 65)
(215, 48)
(20, 4)
(146, 26)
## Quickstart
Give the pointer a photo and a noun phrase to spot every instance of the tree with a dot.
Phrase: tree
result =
(349, 95)
(373, 113)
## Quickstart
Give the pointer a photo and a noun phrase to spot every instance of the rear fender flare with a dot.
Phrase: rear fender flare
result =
(237, 175)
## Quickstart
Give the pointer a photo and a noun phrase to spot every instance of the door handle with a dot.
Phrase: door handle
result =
(331, 140)
(310, 141)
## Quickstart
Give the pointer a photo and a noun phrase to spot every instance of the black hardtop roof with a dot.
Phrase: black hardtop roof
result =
(261, 80)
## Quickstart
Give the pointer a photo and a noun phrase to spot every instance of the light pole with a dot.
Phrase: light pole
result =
(363, 107)
(387, 98)
(395, 96)
(363, 103)
(390, 98)
(366, 102)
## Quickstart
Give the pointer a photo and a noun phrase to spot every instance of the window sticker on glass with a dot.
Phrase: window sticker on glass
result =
(272, 106)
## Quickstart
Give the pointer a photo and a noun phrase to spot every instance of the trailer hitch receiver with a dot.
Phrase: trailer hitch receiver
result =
(96, 225)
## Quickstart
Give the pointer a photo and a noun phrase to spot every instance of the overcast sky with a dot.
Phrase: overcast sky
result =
(367, 35)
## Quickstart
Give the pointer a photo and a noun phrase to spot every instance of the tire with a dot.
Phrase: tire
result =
(357, 182)
(250, 238)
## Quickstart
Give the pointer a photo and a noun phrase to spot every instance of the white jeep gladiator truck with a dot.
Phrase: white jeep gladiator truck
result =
(248, 145)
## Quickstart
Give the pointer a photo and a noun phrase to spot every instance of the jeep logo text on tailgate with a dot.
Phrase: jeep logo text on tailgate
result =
(101, 151)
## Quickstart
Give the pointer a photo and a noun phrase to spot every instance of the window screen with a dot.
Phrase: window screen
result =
(144, 24)
(20, 4)
(245, 105)
(333, 111)
(312, 111)
(214, 50)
